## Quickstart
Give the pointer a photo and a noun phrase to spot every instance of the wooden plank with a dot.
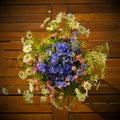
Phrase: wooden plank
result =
(9, 54)
(101, 26)
(20, 100)
(6, 36)
(111, 80)
(22, 18)
(35, 27)
(58, 8)
(106, 89)
(98, 17)
(60, 114)
(56, 2)
(94, 8)
(80, 107)
(95, 116)
(103, 99)
(24, 108)
(20, 27)
(102, 36)
(103, 90)
(95, 35)
(28, 116)
(9, 72)
(91, 99)
(112, 44)
(113, 62)
(13, 89)
(25, 9)
(17, 45)
(8, 63)
(15, 81)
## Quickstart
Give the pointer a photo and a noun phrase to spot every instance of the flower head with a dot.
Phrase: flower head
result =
(27, 58)
(27, 48)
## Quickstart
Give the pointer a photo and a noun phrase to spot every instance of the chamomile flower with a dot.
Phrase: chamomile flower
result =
(70, 17)
(74, 25)
(5, 91)
(27, 58)
(29, 34)
(82, 30)
(81, 97)
(28, 71)
(22, 75)
(87, 85)
(27, 48)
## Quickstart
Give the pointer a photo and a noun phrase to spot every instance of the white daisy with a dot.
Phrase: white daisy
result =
(5, 91)
(82, 30)
(28, 71)
(74, 25)
(70, 17)
(29, 34)
(22, 75)
(87, 85)
(27, 58)
(81, 97)
(27, 48)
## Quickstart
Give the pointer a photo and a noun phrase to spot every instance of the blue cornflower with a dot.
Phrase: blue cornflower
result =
(41, 67)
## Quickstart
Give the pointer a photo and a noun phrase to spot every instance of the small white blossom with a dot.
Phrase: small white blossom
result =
(82, 30)
(28, 96)
(28, 71)
(5, 91)
(81, 97)
(22, 75)
(74, 25)
(87, 85)
(27, 48)
(29, 34)
(46, 20)
(27, 58)
(19, 91)
(87, 33)
(70, 17)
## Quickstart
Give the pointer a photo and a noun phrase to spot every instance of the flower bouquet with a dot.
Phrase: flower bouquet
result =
(60, 65)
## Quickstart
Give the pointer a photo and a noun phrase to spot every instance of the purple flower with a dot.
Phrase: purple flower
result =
(79, 72)
(60, 84)
(41, 67)
(72, 39)
(75, 33)
(69, 78)
(83, 66)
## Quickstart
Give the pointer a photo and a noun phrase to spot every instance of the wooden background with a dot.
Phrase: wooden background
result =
(102, 17)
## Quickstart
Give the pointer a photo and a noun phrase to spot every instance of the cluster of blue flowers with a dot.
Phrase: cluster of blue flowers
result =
(61, 59)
